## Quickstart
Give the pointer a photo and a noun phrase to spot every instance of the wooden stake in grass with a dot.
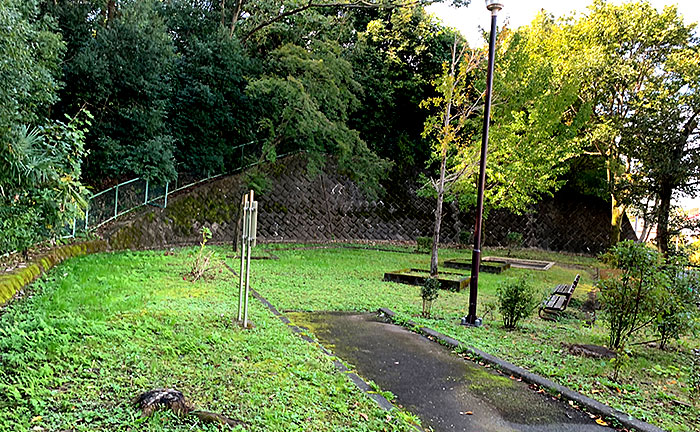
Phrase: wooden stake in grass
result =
(248, 237)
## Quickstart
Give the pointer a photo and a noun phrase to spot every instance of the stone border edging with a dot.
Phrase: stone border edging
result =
(380, 400)
(589, 404)
(13, 282)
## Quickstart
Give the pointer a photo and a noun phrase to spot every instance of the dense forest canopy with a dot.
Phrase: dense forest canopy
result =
(97, 91)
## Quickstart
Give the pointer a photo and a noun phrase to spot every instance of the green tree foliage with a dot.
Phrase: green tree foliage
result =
(399, 53)
(535, 120)
(119, 65)
(630, 55)
(209, 112)
(31, 53)
(304, 98)
(251, 18)
(40, 160)
(662, 137)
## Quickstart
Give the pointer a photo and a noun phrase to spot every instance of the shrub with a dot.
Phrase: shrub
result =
(513, 240)
(631, 296)
(465, 237)
(694, 376)
(516, 300)
(678, 314)
(21, 226)
(429, 292)
(424, 244)
(40, 190)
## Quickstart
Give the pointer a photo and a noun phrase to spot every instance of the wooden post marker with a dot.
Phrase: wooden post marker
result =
(248, 241)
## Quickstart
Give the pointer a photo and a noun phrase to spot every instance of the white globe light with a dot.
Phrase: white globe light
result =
(494, 5)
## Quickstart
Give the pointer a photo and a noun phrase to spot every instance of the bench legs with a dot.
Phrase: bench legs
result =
(548, 315)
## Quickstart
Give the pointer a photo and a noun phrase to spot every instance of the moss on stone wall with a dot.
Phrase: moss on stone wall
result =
(275, 207)
(11, 283)
(199, 209)
(128, 237)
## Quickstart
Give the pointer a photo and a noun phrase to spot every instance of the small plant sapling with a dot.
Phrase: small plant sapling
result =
(488, 309)
(620, 361)
(429, 292)
(202, 260)
(517, 299)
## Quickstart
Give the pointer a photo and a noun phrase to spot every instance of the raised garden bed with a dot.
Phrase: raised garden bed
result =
(521, 263)
(485, 266)
(449, 281)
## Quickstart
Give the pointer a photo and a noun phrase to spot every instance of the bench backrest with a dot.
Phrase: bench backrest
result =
(571, 291)
(573, 285)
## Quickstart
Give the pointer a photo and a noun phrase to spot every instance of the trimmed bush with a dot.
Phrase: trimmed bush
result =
(424, 244)
(429, 292)
(465, 237)
(517, 299)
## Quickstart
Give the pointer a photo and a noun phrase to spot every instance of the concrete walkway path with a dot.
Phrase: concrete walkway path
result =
(447, 392)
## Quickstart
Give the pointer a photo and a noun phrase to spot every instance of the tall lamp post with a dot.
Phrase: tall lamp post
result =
(471, 319)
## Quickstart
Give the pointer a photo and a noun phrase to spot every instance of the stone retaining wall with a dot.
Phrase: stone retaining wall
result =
(328, 206)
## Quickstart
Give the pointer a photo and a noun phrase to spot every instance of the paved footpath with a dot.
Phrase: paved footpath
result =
(447, 392)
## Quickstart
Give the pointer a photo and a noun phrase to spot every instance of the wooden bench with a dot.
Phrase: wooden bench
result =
(558, 301)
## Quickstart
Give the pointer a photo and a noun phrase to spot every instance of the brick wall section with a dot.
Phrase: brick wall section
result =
(298, 206)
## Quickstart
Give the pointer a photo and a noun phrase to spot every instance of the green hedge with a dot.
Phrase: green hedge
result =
(14, 281)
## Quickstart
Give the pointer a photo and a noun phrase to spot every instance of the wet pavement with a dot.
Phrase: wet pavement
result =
(447, 392)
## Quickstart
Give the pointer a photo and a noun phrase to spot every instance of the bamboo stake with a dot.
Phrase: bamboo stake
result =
(243, 249)
(247, 269)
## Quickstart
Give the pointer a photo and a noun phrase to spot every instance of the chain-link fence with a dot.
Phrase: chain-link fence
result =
(109, 204)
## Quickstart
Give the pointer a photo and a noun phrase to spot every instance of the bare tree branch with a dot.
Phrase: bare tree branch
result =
(236, 15)
(358, 4)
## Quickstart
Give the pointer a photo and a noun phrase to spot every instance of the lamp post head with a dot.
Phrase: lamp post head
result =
(494, 5)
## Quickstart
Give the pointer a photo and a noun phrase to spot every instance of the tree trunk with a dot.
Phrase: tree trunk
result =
(618, 210)
(618, 215)
(223, 13)
(236, 16)
(109, 12)
(438, 216)
(664, 213)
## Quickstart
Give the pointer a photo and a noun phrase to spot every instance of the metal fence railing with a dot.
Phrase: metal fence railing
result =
(109, 204)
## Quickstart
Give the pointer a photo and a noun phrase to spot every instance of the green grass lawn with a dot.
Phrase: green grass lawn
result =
(100, 329)
(652, 387)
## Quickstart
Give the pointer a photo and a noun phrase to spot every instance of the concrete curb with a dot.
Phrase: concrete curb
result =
(589, 404)
(361, 384)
